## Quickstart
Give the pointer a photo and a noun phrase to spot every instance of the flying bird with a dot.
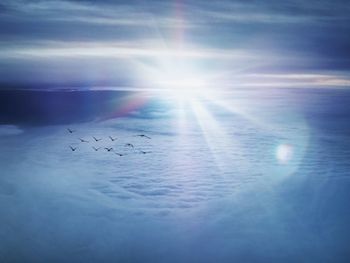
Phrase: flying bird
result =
(129, 145)
(109, 149)
(72, 148)
(82, 140)
(112, 139)
(119, 154)
(70, 131)
(96, 149)
(96, 139)
(143, 135)
(144, 152)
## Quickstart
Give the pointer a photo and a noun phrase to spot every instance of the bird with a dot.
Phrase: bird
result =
(109, 149)
(119, 154)
(144, 152)
(112, 139)
(96, 139)
(72, 148)
(129, 145)
(82, 140)
(70, 131)
(96, 149)
(143, 135)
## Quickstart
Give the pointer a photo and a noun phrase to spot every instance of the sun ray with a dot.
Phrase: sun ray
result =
(220, 144)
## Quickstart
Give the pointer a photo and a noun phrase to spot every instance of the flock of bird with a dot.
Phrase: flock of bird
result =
(108, 149)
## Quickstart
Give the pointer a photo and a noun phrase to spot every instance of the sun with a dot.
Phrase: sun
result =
(182, 89)
(176, 77)
(180, 81)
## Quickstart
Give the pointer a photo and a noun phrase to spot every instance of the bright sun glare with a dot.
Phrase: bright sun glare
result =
(176, 77)
(188, 82)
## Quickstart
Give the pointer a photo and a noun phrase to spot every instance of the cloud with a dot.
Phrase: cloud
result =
(7, 130)
(123, 63)
(280, 12)
(91, 13)
(85, 41)
(118, 49)
(319, 79)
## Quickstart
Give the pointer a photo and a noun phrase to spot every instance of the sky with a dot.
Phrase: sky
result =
(256, 174)
(131, 43)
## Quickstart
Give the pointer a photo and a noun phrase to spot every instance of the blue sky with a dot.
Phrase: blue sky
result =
(118, 43)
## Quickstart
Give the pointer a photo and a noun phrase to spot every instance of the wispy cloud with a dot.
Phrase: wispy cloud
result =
(8, 130)
(272, 12)
(120, 49)
(89, 13)
(290, 80)
(63, 38)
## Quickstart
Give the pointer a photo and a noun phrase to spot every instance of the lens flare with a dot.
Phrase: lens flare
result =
(284, 153)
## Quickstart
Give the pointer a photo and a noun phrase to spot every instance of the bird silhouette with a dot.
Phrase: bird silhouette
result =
(72, 148)
(129, 145)
(119, 154)
(143, 135)
(96, 149)
(144, 152)
(109, 149)
(96, 139)
(70, 131)
(112, 139)
(82, 140)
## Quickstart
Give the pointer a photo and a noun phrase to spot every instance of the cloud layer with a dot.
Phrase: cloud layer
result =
(64, 42)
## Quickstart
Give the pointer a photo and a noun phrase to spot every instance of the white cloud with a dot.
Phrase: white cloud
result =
(121, 49)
